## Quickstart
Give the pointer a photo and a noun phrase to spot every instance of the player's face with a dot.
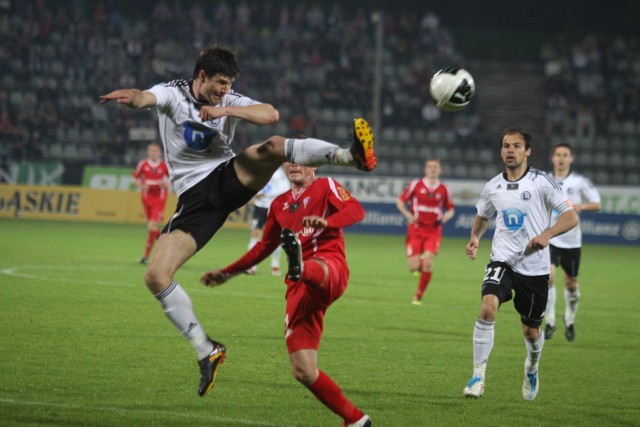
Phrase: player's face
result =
(561, 159)
(213, 89)
(432, 169)
(153, 152)
(298, 174)
(513, 151)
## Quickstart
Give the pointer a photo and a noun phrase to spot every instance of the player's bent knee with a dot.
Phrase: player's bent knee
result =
(274, 146)
(302, 375)
(155, 281)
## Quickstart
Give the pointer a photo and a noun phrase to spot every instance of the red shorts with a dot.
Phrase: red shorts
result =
(154, 208)
(306, 305)
(418, 243)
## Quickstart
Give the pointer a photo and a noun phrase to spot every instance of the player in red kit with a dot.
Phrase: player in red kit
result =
(152, 177)
(307, 221)
(431, 206)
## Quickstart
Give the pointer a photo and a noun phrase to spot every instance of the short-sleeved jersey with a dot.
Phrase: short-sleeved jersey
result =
(193, 148)
(153, 175)
(278, 184)
(428, 204)
(523, 210)
(579, 190)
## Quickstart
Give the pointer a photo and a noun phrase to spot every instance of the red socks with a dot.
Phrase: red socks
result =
(425, 278)
(328, 392)
(152, 236)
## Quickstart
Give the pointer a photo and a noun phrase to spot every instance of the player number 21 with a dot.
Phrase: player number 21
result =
(493, 274)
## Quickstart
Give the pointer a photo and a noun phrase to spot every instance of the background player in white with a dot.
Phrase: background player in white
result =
(523, 198)
(278, 184)
(566, 249)
(197, 120)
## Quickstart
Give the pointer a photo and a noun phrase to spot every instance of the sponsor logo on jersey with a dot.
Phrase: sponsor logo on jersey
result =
(513, 218)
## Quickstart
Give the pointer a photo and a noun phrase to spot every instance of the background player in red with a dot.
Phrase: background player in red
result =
(307, 221)
(431, 206)
(152, 177)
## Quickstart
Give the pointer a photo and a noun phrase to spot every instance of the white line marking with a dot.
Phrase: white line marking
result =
(233, 421)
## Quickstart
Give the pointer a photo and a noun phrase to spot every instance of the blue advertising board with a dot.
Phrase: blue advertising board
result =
(596, 227)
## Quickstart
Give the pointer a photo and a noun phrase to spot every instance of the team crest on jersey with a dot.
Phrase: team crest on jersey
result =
(344, 194)
(513, 218)
(525, 195)
(198, 137)
(305, 202)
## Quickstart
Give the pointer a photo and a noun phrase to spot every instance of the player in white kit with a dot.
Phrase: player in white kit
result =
(278, 184)
(522, 199)
(197, 120)
(566, 249)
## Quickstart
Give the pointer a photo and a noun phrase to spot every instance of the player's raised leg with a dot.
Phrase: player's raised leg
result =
(172, 251)
(255, 165)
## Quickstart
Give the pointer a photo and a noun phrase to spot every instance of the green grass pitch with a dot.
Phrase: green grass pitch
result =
(82, 341)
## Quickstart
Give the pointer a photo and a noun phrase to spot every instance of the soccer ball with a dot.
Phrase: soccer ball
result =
(452, 88)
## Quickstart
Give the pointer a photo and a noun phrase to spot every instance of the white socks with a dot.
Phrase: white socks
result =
(275, 257)
(550, 312)
(177, 307)
(534, 350)
(571, 300)
(483, 333)
(314, 152)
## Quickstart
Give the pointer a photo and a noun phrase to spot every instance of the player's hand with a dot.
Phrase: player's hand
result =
(314, 222)
(537, 243)
(210, 113)
(214, 277)
(472, 249)
(121, 96)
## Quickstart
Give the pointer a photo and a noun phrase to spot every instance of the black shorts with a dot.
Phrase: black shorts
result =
(530, 291)
(259, 218)
(568, 259)
(203, 208)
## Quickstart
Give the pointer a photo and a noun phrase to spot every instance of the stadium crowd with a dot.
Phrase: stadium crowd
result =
(314, 63)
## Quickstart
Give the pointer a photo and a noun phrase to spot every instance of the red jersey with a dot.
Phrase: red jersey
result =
(152, 174)
(428, 204)
(325, 198)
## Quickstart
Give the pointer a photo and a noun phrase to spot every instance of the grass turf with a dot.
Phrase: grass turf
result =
(83, 342)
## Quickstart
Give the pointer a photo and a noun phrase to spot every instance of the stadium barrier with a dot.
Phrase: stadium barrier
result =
(72, 203)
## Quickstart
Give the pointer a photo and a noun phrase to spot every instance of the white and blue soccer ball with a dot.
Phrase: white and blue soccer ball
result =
(452, 88)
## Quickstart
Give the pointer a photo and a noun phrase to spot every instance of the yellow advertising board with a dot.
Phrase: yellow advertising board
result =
(67, 203)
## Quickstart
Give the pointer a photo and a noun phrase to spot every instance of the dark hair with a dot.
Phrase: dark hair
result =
(563, 145)
(217, 60)
(528, 138)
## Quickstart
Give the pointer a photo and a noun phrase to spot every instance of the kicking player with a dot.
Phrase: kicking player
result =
(307, 221)
(197, 118)
(431, 206)
(566, 249)
(523, 198)
(151, 176)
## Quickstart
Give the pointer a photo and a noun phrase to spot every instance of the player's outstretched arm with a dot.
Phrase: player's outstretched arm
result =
(132, 98)
(258, 114)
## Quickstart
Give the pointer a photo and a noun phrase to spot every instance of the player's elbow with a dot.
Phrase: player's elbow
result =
(272, 116)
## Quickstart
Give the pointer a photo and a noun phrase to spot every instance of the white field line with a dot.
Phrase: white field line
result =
(31, 272)
(186, 415)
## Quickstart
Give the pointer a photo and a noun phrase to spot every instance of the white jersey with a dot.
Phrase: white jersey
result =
(278, 184)
(523, 211)
(579, 190)
(193, 148)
